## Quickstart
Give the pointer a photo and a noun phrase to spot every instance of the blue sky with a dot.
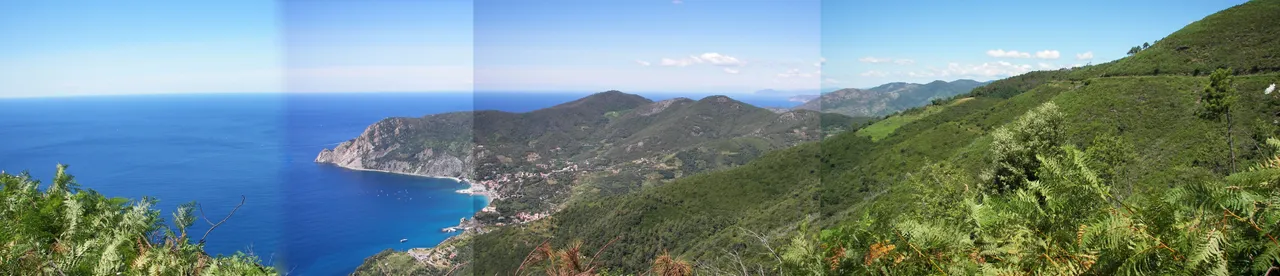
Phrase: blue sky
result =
(867, 43)
(377, 46)
(61, 48)
(67, 48)
(719, 46)
(708, 45)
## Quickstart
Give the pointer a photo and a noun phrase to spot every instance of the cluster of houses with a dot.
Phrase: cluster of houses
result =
(526, 217)
(507, 178)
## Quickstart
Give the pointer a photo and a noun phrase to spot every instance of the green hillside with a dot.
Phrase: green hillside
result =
(1049, 172)
(888, 98)
(1242, 38)
(1101, 170)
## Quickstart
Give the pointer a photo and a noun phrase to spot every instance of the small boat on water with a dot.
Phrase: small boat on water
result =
(403, 240)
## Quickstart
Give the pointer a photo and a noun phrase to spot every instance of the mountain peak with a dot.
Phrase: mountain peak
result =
(718, 99)
(608, 100)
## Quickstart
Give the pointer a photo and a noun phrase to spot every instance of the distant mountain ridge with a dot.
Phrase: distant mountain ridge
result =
(777, 92)
(887, 98)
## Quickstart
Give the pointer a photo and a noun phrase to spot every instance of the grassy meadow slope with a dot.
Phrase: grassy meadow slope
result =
(1242, 38)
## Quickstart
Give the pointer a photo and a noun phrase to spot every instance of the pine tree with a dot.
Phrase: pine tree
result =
(1215, 102)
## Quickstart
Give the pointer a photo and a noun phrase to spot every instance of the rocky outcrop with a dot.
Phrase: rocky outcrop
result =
(658, 107)
(380, 148)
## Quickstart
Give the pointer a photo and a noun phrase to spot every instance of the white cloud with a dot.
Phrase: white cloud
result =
(1048, 54)
(794, 73)
(986, 69)
(718, 59)
(1044, 65)
(922, 74)
(820, 62)
(831, 80)
(730, 70)
(874, 60)
(900, 61)
(874, 73)
(1009, 54)
(1085, 55)
(709, 58)
(642, 63)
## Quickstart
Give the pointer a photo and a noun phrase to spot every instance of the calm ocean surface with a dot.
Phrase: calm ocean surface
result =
(306, 218)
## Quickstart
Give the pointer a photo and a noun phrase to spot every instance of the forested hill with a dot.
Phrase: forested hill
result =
(605, 143)
(888, 98)
(1115, 168)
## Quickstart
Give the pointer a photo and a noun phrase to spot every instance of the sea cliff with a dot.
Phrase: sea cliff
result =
(381, 148)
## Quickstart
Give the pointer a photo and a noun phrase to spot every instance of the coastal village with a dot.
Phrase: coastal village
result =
(526, 179)
(494, 181)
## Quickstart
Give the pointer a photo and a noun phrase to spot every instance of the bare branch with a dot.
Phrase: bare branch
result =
(529, 256)
(737, 259)
(601, 250)
(56, 268)
(215, 225)
(765, 241)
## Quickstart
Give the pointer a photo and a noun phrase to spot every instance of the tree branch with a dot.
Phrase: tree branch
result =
(455, 268)
(215, 225)
(592, 267)
(56, 268)
(764, 240)
(529, 256)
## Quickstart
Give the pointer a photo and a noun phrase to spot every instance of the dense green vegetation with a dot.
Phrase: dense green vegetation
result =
(64, 230)
(1053, 214)
(1107, 169)
(1051, 172)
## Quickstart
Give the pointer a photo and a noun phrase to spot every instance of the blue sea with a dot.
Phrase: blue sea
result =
(305, 218)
